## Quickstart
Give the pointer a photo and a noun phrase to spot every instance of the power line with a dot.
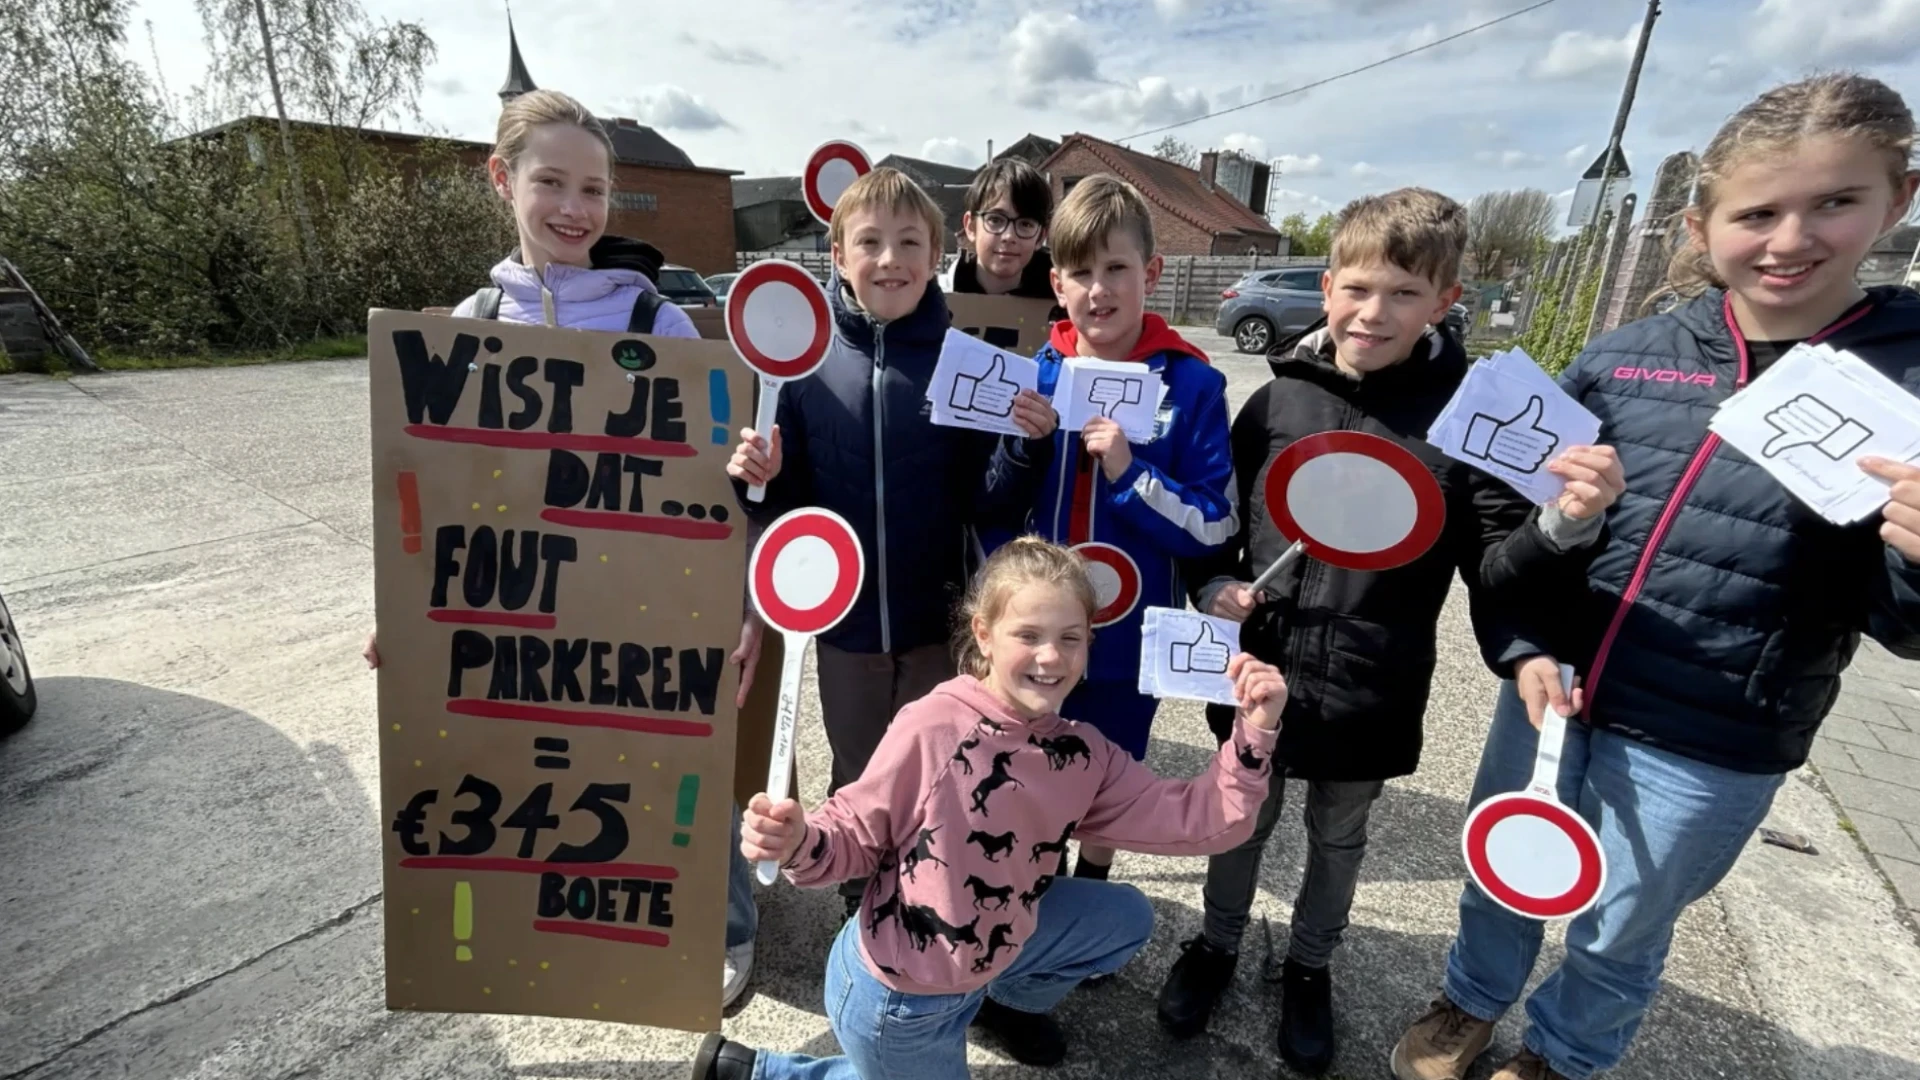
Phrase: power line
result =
(1335, 78)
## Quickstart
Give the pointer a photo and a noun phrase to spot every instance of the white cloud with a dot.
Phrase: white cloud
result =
(951, 151)
(1153, 100)
(1856, 31)
(1251, 145)
(1173, 9)
(734, 55)
(1050, 47)
(670, 107)
(1509, 159)
(1364, 171)
(1576, 53)
(1300, 165)
(1576, 155)
(1288, 201)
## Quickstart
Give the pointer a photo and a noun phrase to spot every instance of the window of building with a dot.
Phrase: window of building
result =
(635, 200)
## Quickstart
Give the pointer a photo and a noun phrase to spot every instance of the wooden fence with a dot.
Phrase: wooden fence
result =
(1188, 294)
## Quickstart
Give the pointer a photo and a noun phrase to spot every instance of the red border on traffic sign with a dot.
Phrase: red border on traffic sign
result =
(1430, 505)
(837, 150)
(758, 276)
(1586, 887)
(1125, 569)
(851, 563)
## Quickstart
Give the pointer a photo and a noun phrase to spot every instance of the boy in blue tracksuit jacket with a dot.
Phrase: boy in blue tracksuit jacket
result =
(1161, 501)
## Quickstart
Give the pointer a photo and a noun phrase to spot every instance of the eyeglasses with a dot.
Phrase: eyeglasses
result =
(997, 222)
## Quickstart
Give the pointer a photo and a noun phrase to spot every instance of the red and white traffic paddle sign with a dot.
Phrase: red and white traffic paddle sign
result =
(1526, 849)
(1352, 500)
(804, 576)
(1116, 581)
(780, 325)
(831, 169)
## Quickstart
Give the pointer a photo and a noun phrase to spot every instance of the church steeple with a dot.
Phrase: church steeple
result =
(518, 81)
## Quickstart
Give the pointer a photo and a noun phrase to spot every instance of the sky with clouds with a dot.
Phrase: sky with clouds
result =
(753, 85)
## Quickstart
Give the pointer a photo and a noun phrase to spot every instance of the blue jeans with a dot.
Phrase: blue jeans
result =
(1671, 828)
(1085, 928)
(743, 915)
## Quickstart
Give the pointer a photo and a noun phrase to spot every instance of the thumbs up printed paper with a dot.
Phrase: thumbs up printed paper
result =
(1184, 654)
(974, 384)
(1509, 419)
(1809, 419)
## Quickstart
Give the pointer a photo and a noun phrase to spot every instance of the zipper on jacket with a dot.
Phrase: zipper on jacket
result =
(880, 479)
(1644, 568)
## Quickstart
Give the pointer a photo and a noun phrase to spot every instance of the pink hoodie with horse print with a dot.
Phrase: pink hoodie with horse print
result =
(964, 810)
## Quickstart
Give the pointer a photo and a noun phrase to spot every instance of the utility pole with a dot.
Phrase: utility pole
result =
(1613, 151)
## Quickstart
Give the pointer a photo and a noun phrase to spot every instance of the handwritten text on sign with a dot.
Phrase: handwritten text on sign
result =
(558, 569)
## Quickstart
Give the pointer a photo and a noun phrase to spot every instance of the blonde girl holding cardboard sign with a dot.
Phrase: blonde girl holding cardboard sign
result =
(553, 164)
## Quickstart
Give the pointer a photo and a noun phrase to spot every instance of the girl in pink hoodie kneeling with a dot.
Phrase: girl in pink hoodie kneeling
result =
(960, 820)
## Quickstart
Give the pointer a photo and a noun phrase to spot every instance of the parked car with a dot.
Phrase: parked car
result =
(686, 287)
(17, 697)
(718, 284)
(1268, 306)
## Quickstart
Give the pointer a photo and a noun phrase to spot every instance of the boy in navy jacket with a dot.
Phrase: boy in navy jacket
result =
(856, 437)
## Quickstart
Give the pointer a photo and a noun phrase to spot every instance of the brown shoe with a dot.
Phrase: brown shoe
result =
(1526, 1065)
(1442, 1044)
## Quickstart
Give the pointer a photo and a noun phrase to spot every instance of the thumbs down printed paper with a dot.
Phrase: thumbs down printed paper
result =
(1509, 419)
(1184, 654)
(1128, 394)
(974, 384)
(1811, 417)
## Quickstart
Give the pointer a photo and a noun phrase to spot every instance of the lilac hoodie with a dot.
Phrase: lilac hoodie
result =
(583, 298)
(962, 814)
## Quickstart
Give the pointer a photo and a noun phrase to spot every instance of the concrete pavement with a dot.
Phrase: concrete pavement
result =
(190, 835)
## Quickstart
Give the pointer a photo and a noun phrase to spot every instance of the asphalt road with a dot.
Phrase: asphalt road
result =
(190, 838)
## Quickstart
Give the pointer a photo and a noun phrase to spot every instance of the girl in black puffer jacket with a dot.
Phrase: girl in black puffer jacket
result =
(1713, 628)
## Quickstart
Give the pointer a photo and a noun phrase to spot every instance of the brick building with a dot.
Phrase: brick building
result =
(659, 194)
(1192, 214)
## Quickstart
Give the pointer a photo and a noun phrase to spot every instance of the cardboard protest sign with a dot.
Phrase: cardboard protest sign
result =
(558, 577)
(1009, 322)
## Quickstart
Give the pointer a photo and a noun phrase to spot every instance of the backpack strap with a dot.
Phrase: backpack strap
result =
(645, 307)
(486, 303)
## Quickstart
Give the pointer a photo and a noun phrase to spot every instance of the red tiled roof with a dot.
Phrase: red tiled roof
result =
(1174, 188)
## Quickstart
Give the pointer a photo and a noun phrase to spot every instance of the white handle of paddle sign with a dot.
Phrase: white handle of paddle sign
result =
(1286, 558)
(763, 419)
(1553, 736)
(785, 723)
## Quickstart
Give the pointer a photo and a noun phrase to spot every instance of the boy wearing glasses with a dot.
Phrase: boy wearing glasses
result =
(1007, 211)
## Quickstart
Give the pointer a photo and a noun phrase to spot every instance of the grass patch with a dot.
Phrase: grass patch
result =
(336, 348)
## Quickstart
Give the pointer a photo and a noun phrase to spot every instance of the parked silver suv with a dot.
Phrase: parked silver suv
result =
(1267, 306)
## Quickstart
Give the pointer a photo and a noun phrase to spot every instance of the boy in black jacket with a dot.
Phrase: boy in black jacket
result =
(1358, 647)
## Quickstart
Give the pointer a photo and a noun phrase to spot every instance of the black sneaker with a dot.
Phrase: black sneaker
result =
(1194, 986)
(1306, 1017)
(1028, 1038)
(720, 1059)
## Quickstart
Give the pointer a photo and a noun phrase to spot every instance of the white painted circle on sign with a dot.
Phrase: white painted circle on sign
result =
(779, 320)
(1106, 582)
(836, 176)
(1352, 502)
(1533, 856)
(804, 572)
